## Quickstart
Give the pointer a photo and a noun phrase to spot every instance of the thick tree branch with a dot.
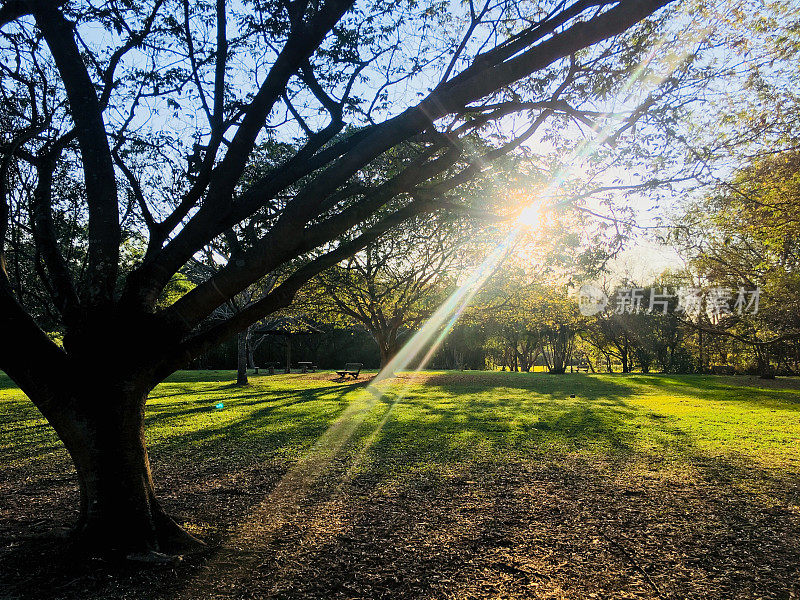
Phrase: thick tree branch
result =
(22, 360)
(62, 288)
(282, 295)
(203, 226)
(98, 167)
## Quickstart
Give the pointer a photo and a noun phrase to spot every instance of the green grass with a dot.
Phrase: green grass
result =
(459, 481)
(452, 417)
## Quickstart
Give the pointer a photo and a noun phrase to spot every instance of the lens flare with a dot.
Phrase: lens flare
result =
(531, 216)
(283, 504)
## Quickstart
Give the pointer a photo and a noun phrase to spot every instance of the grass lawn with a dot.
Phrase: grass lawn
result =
(438, 485)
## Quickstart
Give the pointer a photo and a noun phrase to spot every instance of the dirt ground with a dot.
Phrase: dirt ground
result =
(559, 527)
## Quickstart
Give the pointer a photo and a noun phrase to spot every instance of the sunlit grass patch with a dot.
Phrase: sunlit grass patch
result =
(442, 418)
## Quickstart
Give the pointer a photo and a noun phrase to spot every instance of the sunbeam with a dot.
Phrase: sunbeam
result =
(279, 506)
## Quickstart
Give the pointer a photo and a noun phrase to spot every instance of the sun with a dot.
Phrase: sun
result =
(531, 216)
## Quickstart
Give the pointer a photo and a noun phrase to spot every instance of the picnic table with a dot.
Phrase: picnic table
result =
(306, 366)
(352, 369)
(270, 366)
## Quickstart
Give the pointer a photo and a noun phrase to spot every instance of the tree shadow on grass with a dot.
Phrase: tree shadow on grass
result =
(576, 413)
(256, 423)
(783, 393)
(590, 386)
(206, 402)
(465, 490)
(6, 383)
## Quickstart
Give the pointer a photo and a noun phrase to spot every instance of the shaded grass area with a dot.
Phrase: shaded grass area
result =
(467, 484)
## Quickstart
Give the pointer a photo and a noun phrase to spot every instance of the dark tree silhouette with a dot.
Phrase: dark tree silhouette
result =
(106, 95)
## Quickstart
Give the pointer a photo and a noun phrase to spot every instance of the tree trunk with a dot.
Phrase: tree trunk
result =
(385, 358)
(765, 370)
(624, 355)
(251, 352)
(103, 432)
(388, 350)
(700, 344)
(387, 345)
(241, 358)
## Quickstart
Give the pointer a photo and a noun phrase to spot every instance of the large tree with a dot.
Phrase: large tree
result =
(107, 99)
(395, 283)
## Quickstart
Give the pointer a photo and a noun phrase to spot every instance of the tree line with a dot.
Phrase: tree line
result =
(733, 307)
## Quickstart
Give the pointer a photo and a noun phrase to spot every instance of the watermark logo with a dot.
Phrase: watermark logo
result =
(691, 302)
(591, 300)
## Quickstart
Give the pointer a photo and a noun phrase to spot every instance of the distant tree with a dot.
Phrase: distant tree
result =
(746, 236)
(644, 338)
(395, 283)
(515, 317)
(529, 319)
(561, 325)
(611, 336)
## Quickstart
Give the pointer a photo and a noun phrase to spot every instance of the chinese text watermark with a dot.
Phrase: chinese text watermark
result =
(716, 302)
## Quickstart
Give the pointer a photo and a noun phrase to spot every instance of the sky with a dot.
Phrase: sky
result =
(643, 261)
(642, 255)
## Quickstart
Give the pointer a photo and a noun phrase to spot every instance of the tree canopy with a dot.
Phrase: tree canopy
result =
(138, 137)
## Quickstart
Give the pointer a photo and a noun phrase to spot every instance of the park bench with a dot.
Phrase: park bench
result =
(352, 369)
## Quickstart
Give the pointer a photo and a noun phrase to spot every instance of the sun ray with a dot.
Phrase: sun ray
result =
(279, 506)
